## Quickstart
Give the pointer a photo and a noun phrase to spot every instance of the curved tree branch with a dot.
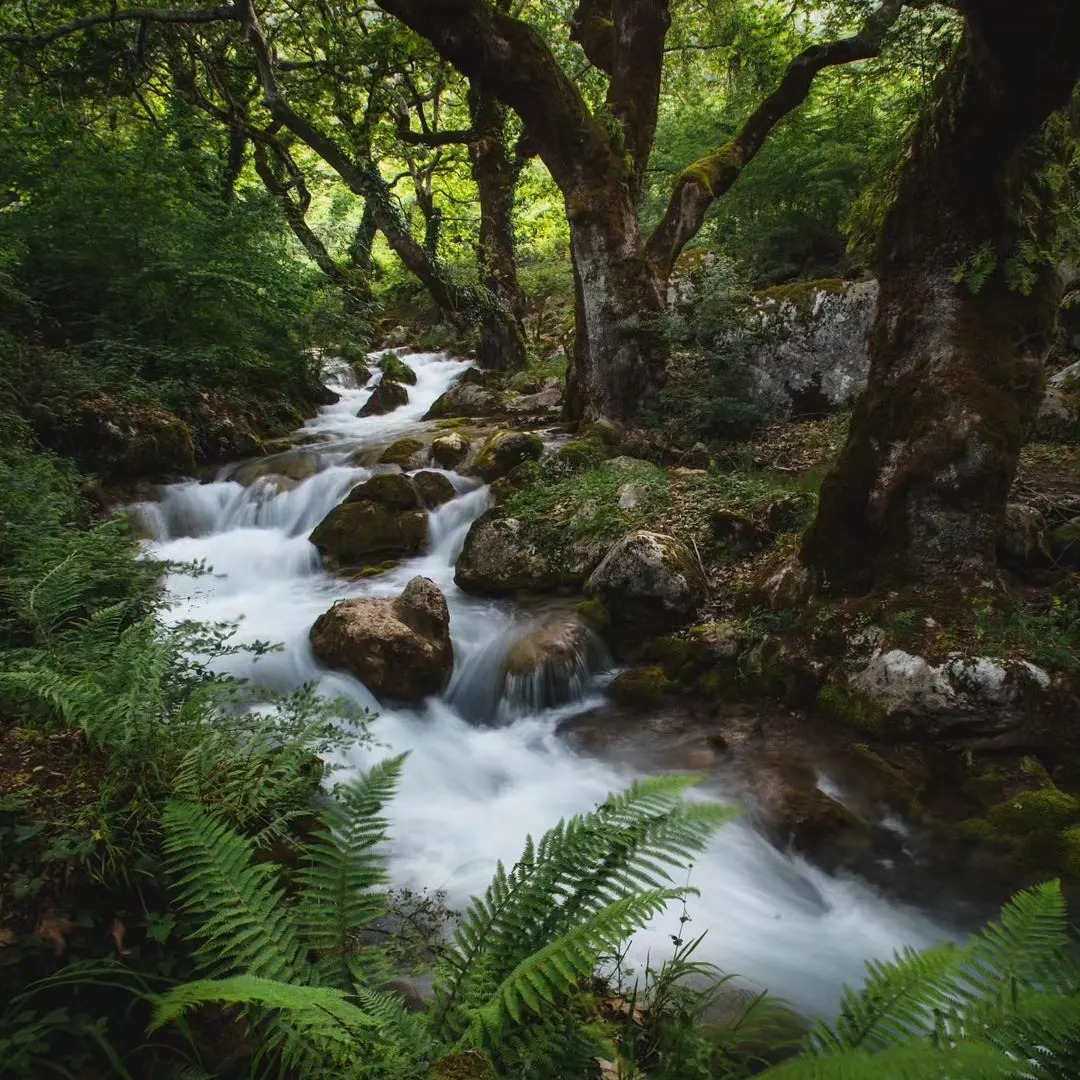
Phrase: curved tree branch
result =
(713, 175)
(228, 13)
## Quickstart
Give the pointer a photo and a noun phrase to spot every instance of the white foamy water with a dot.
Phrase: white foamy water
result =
(472, 789)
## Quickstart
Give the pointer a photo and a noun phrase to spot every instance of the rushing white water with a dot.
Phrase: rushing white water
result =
(472, 790)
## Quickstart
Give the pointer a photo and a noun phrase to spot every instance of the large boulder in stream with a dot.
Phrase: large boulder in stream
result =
(398, 648)
(551, 664)
(435, 489)
(449, 450)
(647, 583)
(382, 518)
(498, 559)
(504, 451)
(296, 465)
(476, 393)
(386, 397)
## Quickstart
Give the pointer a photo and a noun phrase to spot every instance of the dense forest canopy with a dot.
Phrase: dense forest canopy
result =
(689, 382)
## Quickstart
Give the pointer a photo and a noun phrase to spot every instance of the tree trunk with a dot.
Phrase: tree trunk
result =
(495, 172)
(620, 356)
(918, 493)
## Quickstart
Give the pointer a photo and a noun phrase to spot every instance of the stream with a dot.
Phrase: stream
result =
(471, 791)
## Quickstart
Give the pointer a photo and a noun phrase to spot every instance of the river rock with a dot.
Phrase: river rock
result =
(551, 664)
(395, 369)
(905, 695)
(381, 519)
(297, 465)
(1059, 413)
(648, 582)
(476, 393)
(545, 404)
(386, 397)
(409, 453)
(499, 560)
(505, 450)
(435, 489)
(449, 450)
(399, 649)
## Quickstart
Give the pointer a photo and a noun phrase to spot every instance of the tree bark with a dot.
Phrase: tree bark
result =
(918, 493)
(495, 171)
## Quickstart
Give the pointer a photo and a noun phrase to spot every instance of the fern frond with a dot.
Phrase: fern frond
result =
(625, 847)
(322, 1016)
(342, 883)
(560, 966)
(241, 918)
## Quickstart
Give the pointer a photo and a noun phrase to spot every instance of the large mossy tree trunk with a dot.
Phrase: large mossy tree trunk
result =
(918, 493)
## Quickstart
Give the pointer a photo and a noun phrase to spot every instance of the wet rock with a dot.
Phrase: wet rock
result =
(298, 465)
(1022, 544)
(1065, 544)
(503, 451)
(390, 489)
(640, 688)
(435, 489)
(648, 582)
(449, 450)
(381, 519)
(477, 393)
(551, 664)
(409, 453)
(396, 370)
(386, 397)
(399, 649)
(499, 560)
(1059, 413)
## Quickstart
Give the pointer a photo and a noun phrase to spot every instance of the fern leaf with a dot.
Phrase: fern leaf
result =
(241, 918)
(909, 1061)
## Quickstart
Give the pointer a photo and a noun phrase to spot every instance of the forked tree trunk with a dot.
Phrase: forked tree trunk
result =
(620, 357)
(918, 493)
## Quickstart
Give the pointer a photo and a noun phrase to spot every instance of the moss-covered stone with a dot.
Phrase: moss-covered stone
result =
(386, 397)
(640, 688)
(395, 369)
(1065, 544)
(1036, 813)
(583, 453)
(471, 1065)
(449, 450)
(408, 453)
(387, 489)
(841, 702)
(595, 613)
(505, 450)
(603, 431)
(435, 489)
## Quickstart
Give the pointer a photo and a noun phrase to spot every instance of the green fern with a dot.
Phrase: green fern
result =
(242, 921)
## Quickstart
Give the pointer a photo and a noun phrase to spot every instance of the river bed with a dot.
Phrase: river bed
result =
(471, 791)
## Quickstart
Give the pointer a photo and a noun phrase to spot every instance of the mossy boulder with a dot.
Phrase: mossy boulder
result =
(386, 397)
(602, 431)
(1059, 413)
(476, 393)
(649, 583)
(790, 513)
(399, 649)
(503, 451)
(498, 559)
(640, 688)
(409, 453)
(381, 519)
(583, 453)
(435, 489)
(395, 369)
(1065, 544)
(525, 382)
(450, 450)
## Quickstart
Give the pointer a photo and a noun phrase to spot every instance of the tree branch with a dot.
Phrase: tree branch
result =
(507, 57)
(713, 175)
(141, 15)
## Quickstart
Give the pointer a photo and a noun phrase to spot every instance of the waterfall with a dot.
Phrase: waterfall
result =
(486, 765)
